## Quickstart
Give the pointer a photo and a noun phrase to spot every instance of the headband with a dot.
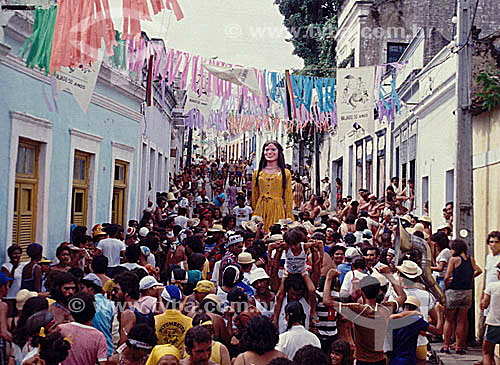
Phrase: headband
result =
(206, 323)
(140, 344)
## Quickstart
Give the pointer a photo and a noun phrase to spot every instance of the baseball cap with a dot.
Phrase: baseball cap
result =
(148, 282)
(94, 279)
(367, 233)
(352, 252)
(171, 293)
(4, 278)
(204, 286)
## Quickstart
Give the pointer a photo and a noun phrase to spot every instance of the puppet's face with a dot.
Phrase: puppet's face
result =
(271, 153)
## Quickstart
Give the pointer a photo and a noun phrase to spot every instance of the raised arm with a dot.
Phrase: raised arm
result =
(327, 292)
(401, 295)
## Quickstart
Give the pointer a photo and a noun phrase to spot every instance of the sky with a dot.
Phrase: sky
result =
(241, 32)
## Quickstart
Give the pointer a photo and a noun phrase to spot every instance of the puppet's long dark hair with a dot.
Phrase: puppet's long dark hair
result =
(281, 163)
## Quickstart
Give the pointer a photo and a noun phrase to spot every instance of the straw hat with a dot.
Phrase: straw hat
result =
(409, 269)
(193, 222)
(257, 219)
(245, 258)
(425, 219)
(419, 227)
(249, 226)
(288, 223)
(275, 237)
(258, 274)
(171, 197)
(22, 296)
(413, 301)
(217, 228)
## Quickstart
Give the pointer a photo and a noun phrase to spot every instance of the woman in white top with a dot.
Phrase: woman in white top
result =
(264, 298)
(442, 241)
(14, 269)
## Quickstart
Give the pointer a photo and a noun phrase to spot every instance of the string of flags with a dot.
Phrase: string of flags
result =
(219, 95)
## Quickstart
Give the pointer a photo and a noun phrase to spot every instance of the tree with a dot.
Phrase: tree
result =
(312, 24)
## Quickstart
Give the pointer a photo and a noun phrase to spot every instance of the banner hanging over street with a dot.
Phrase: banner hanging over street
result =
(355, 99)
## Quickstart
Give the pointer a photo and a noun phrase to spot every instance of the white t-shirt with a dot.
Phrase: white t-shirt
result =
(132, 266)
(282, 324)
(242, 214)
(493, 290)
(294, 339)
(347, 283)
(296, 264)
(490, 268)
(15, 285)
(490, 273)
(427, 302)
(249, 169)
(444, 256)
(181, 220)
(111, 248)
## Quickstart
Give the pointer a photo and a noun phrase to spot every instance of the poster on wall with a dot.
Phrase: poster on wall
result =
(201, 102)
(355, 99)
(80, 82)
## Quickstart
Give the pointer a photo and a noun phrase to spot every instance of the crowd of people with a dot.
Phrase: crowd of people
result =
(235, 265)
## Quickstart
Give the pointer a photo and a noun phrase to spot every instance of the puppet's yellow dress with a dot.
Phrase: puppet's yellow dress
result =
(268, 199)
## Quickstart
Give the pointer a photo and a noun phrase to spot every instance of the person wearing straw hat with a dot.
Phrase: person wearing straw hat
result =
(406, 327)
(264, 298)
(409, 272)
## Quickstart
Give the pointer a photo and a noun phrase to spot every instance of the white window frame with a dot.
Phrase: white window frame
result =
(37, 129)
(122, 152)
(91, 144)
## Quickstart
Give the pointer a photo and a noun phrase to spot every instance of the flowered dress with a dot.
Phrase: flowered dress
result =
(268, 199)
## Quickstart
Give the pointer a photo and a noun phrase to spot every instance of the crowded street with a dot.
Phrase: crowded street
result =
(332, 202)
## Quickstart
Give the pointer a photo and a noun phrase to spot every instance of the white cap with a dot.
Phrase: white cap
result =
(93, 278)
(148, 282)
(143, 232)
(352, 252)
(258, 274)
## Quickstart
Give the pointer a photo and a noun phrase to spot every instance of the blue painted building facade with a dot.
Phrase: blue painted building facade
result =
(67, 167)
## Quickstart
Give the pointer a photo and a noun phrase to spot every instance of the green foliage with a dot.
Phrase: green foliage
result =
(489, 96)
(312, 24)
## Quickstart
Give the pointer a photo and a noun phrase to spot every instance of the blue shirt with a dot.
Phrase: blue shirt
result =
(217, 202)
(404, 339)
(103, 319)
(343, 269)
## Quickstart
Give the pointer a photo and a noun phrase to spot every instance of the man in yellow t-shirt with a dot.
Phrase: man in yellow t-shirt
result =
(172, 325)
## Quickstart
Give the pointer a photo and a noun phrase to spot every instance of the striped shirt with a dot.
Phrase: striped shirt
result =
(327, 326)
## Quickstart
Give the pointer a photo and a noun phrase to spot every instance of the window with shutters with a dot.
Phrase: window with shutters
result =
(25, 194)
(119, 192)
(79, 201)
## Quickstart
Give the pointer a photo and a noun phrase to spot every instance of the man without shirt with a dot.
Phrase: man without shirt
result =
(370, 319)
